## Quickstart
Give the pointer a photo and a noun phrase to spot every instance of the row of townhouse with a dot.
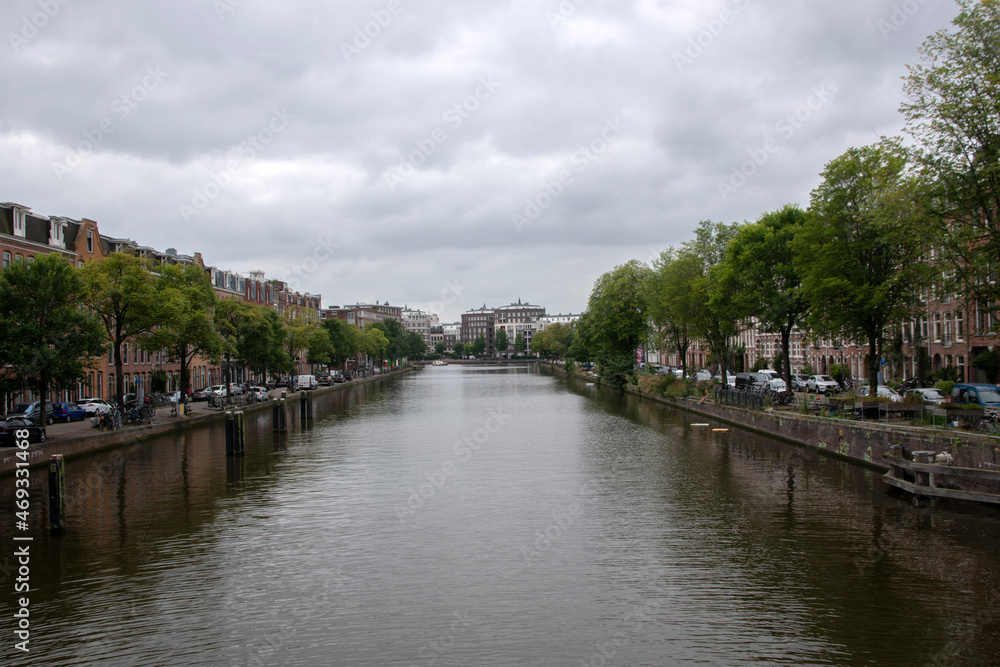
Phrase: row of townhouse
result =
(24, 234)
(945, 332)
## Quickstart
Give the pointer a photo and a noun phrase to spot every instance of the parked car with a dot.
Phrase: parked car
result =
(174, 397)
(337, 376)
(32, 411)
(777, 383)
(201, 394)
(884, 391)
(929, 395)
(10, 426)
(305, 382)
(821, 384)
(68, 412)
(986, 395)
(799, 381)
(752, 380)
(324, 379)
(260, 393)
(703, 374)
(93, 406)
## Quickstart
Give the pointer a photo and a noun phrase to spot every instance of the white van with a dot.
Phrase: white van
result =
(305, 382)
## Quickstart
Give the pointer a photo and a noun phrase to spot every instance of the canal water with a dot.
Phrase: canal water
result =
(468, 515)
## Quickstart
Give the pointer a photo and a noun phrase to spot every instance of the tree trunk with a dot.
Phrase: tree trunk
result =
(873, 359)
(119, 380)
(786, 361)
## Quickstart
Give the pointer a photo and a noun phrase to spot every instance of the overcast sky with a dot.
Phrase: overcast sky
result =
(444, 154)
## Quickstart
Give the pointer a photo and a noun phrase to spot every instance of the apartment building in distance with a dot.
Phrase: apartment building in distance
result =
(476, 323)
(361, 314)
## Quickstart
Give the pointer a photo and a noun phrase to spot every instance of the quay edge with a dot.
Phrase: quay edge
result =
(40, 452)
(863, 443)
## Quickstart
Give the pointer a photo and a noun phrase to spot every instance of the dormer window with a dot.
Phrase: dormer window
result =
(56, 234)
(19, 224)
(90, 240)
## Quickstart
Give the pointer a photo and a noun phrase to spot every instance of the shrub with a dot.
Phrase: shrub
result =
(808, 370)
(945, 386)
(705, 387)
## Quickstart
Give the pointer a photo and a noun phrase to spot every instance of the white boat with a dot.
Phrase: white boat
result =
(438, 362)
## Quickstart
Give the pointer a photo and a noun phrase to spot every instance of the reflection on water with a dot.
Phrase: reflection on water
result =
(500, 516)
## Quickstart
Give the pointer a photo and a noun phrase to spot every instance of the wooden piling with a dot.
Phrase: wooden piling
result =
(57, 493)
(230, 433)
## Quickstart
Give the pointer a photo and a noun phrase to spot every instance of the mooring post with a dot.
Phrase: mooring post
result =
(57, 493)
(230, 435)
(282, 414)
(303, 397)
(243, 432)
(309, 406)
(274, 415)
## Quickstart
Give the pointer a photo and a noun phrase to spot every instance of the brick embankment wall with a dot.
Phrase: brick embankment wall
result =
(856, 441)
(87, 440)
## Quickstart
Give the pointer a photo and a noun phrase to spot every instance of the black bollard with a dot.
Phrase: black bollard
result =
(309, 406)
(230, 434)
(303, 397)
(282, 414)
(241, 441)
(57, 494)
(274, 415)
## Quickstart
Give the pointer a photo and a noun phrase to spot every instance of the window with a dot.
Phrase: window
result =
(19, 224)
(6, 259)
(937, 327)
(125, 353)
(90, 240)
(959, 326)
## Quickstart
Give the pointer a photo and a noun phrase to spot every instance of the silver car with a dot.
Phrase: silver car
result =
(822, 384)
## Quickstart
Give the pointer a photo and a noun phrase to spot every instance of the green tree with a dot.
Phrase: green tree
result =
(620, 319)
(300, 331)
(520, 345)
(440, 347)
(860, 252)
(459, 348)
(261, 342)
(953, 113)
(122, 291)
(581, 346)
(372, 341)
(188, 302)
(478, 346)
(343, 337)
(669, 293)
(415, 347)
(761, 275)
(714, 319)
(501, 342)
(319, 349)
(45, 337)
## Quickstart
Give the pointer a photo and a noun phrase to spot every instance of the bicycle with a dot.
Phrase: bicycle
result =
(989, 424)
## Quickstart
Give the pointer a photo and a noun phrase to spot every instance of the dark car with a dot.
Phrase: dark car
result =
(752, 380)
(32, 411)
(10, 426)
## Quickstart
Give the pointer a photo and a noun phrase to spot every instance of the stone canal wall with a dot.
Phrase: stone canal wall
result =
(856, 441)
(91, 440)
